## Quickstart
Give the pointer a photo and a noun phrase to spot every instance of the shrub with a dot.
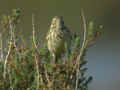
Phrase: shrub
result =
(31, 68)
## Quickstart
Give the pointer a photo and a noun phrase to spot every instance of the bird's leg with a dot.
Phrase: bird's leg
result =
(63, 57)
(54, 59)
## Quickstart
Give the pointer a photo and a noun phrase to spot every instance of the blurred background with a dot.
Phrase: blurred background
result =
(104, 57)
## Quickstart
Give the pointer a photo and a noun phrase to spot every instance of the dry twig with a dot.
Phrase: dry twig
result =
(78, 62)
(34, 42)
(9, 50)
(1, 48)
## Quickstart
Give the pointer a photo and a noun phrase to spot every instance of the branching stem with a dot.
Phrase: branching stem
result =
(78, 61)
(9, 50)
(1, 48)
(34, 42)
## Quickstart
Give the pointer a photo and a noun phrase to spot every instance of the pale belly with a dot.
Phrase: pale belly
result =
(56, 46)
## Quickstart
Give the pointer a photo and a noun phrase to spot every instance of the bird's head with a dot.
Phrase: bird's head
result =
(57, 22)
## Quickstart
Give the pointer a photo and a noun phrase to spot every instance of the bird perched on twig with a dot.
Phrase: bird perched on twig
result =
(57, 36)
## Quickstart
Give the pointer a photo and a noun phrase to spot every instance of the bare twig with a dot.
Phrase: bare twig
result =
(9, 50)
(48, 80)
(37, 67)
(1, 48)
(33, 25)
(81, 50)
(34, 42)
(11, 85)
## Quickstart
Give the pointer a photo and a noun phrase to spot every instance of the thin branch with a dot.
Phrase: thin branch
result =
(1, 48)
(10, 78)
(48, 80)
(33, 25)
(37, 67)
(82, 49)
(34, 42)
(9, 50)
(41, 80)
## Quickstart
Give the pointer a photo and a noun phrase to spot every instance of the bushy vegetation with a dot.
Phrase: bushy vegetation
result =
(31, 68)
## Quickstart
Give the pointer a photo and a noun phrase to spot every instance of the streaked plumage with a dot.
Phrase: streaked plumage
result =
(57, 36)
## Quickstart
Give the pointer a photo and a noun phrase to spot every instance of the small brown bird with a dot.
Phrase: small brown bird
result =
(57, 36)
